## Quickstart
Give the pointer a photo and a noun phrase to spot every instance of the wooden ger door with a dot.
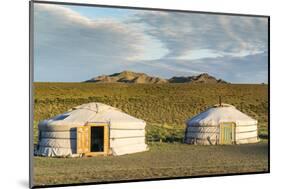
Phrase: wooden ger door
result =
(227, 135)
(83, 142)
(93, 139)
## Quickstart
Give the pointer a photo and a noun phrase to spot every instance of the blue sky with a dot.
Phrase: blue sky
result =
(75, 43)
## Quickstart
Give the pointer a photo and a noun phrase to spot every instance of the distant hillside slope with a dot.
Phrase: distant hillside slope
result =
(133, 77)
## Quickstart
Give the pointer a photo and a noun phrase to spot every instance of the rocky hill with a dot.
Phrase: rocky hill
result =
(127, 77)
(133, 77)
(202, 78)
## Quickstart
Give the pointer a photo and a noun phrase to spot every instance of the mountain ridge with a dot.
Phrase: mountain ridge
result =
(135, 77)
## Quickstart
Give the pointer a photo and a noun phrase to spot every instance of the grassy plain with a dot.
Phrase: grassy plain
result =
(164, 107)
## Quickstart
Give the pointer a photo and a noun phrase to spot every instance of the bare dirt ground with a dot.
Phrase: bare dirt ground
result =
(161, 161)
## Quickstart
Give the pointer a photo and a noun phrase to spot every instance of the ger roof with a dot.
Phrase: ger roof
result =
(93, 112)
(221, 113)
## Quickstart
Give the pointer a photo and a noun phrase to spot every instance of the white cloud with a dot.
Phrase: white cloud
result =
(59, 31)
(185, 33)
(199, 54)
